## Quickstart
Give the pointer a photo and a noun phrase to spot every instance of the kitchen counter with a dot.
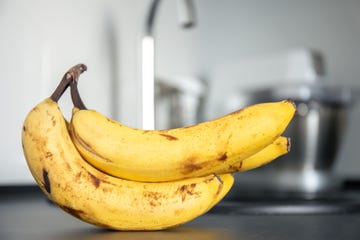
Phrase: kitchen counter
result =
(26, 214)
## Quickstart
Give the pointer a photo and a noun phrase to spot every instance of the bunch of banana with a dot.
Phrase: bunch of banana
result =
(216, 146)
(130, 179)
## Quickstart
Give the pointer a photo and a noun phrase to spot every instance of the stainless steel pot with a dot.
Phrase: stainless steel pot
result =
(178, 101)
(316, 134)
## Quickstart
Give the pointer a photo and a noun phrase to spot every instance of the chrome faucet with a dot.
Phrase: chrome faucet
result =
(186, 18)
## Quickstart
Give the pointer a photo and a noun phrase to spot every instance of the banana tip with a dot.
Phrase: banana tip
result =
(291, 101)
(288, 146)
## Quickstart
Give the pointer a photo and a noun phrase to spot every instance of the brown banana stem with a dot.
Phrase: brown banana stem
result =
(75, 96)
(72, 74)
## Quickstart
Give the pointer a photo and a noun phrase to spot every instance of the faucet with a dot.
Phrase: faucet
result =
(186, 18)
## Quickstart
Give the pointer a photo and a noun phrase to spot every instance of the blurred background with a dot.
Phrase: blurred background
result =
(207, 58)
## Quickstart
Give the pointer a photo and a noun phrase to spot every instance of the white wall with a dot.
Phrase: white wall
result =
(40, 40)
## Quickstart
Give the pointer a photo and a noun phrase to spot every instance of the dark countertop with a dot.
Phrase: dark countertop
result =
(26, 214)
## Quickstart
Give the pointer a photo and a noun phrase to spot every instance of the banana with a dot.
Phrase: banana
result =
(94, 196)
(168, 155)
(271, 152)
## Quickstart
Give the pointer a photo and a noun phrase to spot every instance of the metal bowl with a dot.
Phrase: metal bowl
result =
(316, 133)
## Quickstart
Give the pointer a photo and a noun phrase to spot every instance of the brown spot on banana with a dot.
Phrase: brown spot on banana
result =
(236, 168)
(74, 212)
(78, 175)
(46, 181)
(48, 155)
(222, 157)
(236, 112)
(95, 181)
(186, 190)
(220, 187)
(182, 188)
(153, 197)
(106, 190)
(53, 120)
(169, 137)
(190, 166)
(35, 109)
(68, 167)
(219, 179)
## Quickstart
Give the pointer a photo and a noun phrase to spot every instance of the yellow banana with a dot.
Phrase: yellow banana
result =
(166, 155)
(274, 150)
(97, 198)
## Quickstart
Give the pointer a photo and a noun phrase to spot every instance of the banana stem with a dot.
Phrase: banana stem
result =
(70, 76)
(75, 95)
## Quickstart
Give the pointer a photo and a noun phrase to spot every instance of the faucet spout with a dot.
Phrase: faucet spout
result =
(186, 19)
(186, 13)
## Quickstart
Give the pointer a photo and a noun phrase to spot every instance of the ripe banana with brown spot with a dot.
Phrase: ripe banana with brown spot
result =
(167, 155)
(98, 198)
(271, 152)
